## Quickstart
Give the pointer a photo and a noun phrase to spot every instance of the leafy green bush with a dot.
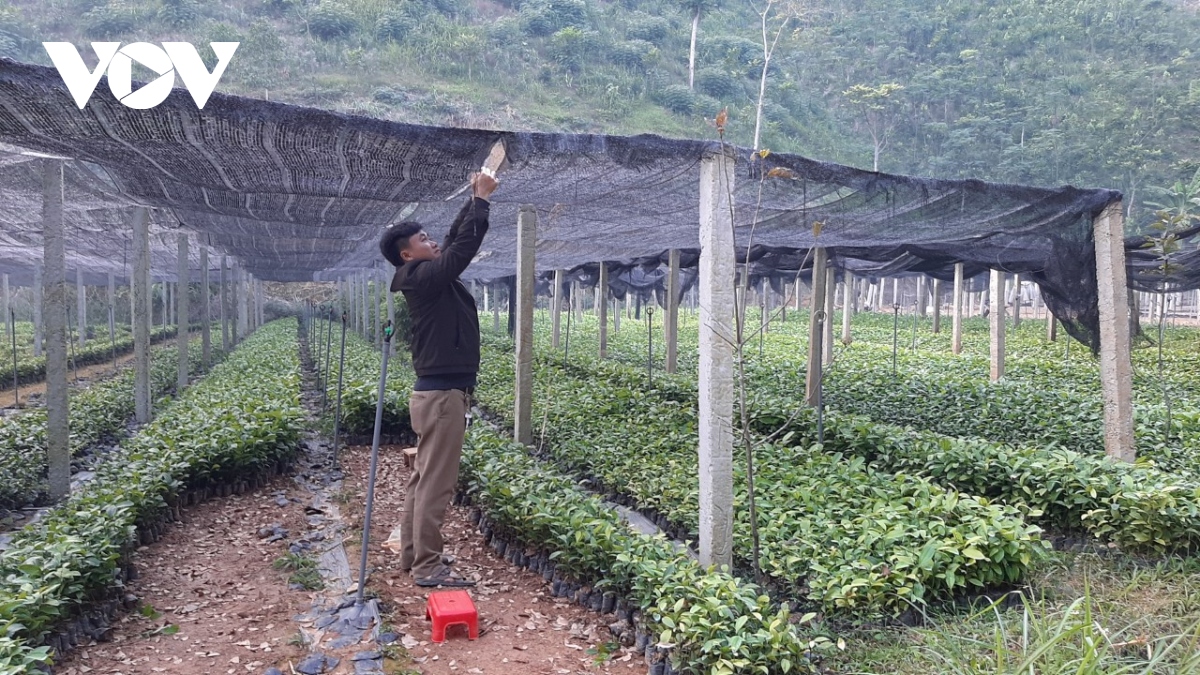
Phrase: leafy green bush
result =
(245, 416)
(718, 83)
(570, 46)
(97, 413)
(715, 622)
(677, 98)
(394, 25)
(544, 17)
(331, 21)
(179, 13)
(632, 54)
(647, 27)
(114, 20)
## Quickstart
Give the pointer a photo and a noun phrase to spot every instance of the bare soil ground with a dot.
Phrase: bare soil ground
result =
(524, 629)
(96, 371)
(210, 578)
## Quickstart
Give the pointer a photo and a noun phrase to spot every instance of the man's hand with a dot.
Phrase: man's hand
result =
(483, 185)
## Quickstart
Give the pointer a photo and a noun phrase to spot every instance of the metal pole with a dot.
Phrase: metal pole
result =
(650, 344)
(328, 359)
(16, 389)
(895, 333)
(71, 345)
(821, 317)
(337, 414)
(366, 537)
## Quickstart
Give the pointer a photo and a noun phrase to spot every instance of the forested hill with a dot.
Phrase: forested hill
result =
(1102, 93)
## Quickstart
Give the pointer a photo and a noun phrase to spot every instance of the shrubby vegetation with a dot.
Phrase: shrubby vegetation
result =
(244, 417)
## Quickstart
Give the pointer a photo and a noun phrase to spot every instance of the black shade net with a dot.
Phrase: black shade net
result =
(297, 194)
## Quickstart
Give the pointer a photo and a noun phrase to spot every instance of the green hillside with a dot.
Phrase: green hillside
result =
(1092, 92)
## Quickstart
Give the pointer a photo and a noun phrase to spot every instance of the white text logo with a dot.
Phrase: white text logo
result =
(117, 61)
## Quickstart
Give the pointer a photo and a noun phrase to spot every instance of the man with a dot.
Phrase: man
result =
(445, 354)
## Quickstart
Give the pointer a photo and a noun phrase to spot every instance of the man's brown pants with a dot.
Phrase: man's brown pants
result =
(439, 418)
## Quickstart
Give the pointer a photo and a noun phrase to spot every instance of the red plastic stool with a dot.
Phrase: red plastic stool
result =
(447, 608)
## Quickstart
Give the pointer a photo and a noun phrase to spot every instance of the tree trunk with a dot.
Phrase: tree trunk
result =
(692, 51)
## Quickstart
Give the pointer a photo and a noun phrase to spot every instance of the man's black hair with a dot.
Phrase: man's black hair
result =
(398, 233)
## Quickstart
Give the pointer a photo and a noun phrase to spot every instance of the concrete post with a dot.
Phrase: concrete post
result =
(205, 309)
(830, 302)
(556, 309)
(391, 301)
(1116, 369)
(526, 241)
(377, 312)
(996, 322)
(169, 313)
(365, 305)
(671, 316)
(602, 309)
(577, 302)
(816, 336)
(112, 307)
(717, 336)
(37, 309)
(6, 307)
(182, 334)
(54, 293)
(896, 291)
(496, 310)
(617, 315)
(922, 299)
(142, 303)
(224, 313)
(847, 305)
(958, 309)
(81, 307)
(937, 306)
(1016, 300)
(240, 295)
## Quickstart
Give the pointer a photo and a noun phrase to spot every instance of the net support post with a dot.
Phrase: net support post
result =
(937, 306)
(671, 317)
(816, 336)
(54, 294)
(716, 365)
(996, 324)
(556, 310)
(205, 310)
(848, 285)
(37, 310)
(526, 252)
(602, 308)
(365, 306)
(957, 317)
(112, 307)
(1116, 369)
(830, 301)
(922, 300)
(377, 310)
(1016, 300)
(141, 313)
(391, 302)
(239, 300)
(223, 313)
(182, 334)
(81, 306)
(7, 304)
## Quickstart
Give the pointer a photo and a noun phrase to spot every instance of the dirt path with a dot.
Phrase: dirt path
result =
(94, 371)
(524, 629)
(211, 600)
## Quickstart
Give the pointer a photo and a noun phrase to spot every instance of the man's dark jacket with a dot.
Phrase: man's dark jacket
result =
(445, 319)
